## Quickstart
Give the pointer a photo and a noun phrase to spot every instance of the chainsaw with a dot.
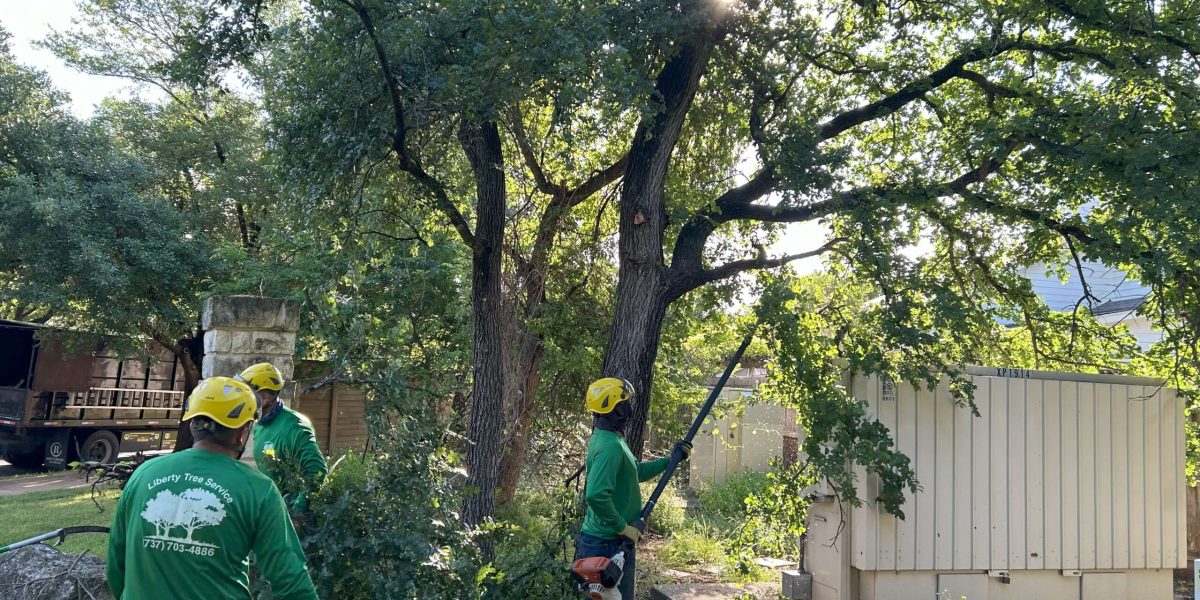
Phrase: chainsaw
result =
(597, 577)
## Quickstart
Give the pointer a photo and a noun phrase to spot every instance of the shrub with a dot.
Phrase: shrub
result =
(725, 502)
(384, 523)
(698, 544)
(774, 517)
(670, 514)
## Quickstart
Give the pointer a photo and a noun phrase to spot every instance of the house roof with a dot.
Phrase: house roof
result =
(19, 324)
(1120, 305)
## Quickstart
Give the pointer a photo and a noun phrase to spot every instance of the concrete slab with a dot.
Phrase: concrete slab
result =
(39, 483)
(715, 591)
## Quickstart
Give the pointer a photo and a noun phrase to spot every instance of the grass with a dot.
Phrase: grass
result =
(694, 546)
(27, 515)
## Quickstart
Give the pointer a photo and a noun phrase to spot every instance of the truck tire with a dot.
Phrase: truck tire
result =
(25, 460)
(101, 446)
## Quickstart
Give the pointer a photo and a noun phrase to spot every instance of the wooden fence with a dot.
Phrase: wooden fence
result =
(336, 411)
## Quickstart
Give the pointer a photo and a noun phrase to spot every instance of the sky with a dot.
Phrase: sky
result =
(29, 21)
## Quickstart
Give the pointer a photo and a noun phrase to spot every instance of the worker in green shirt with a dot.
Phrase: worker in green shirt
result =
(282, 434)
(186, 522)
(614, 500)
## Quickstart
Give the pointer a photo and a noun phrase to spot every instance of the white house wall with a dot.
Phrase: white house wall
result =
(1106, 283)
(1139, 327)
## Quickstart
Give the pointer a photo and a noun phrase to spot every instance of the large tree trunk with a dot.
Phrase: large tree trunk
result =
(189, 352)
(633, 346)
(481, 142)
(642, 297)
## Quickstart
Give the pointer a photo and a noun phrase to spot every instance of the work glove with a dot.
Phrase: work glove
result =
(683, 449)
(633, 531)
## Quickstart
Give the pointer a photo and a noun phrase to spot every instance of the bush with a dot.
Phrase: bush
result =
(535, 543)
(698, 544)
(384, 524)
(774, 517)
(670, 514)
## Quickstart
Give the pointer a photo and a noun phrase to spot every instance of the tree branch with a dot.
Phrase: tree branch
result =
(409, 163)
(689, 244)
(913, 90)
(1064, 51)
(1108, 22)
(598, 181)
(989, 87)
(682, 285)
(1087, 289)
(539, 175)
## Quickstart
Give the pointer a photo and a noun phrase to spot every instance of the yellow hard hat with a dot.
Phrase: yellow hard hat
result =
(604, 394)
(223, 399)
(263, 376)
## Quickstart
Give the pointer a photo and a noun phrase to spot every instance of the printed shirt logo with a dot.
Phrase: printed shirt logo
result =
(177, 517)
(269, 449)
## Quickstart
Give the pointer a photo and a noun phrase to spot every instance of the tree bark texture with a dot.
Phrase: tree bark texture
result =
(527, 347)
(520, 404)
(642, 297)
(528, 300)
(481, 142)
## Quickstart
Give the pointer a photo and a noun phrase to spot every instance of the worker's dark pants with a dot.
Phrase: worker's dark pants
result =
(587, 546)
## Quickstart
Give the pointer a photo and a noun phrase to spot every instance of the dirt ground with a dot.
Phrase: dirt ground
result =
(1184, 589)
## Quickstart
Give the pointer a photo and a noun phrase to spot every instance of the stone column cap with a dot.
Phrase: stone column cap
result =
(250, 312)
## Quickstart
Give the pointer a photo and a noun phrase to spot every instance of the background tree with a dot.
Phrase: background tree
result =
(88, 244)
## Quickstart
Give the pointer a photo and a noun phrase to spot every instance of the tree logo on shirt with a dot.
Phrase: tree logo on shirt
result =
(183, 513)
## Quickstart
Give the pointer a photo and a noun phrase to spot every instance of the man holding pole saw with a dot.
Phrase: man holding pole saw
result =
(605, 553)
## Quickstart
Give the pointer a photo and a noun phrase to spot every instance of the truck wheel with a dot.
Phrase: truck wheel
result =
(101, 447)
(25, 460)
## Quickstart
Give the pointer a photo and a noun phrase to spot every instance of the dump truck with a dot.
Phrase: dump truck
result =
(60, 402)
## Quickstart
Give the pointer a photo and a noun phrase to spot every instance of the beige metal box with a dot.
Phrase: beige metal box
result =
(1066, 486)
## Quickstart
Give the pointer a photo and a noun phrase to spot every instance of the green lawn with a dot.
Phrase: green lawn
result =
(27, 515)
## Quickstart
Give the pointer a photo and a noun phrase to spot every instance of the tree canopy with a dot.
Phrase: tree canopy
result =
(602, 180)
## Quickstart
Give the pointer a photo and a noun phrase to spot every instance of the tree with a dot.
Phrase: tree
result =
(421, 120)
(198, 508)
(161, 511)
(982, 128)
(205, 133)
(86, 243)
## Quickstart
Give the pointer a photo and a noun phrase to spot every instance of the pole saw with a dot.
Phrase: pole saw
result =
(61, 534)
(598, 577)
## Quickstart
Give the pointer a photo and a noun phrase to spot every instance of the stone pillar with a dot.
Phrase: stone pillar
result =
(243, 330)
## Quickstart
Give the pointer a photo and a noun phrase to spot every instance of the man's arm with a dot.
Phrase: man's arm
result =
(601, 480)
(312, 461)
(278, 552)
(114, 568)
(652, 468)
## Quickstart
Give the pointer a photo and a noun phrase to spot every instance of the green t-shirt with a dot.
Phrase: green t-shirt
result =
(185, 525)
(613, 497)
(289, 436)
